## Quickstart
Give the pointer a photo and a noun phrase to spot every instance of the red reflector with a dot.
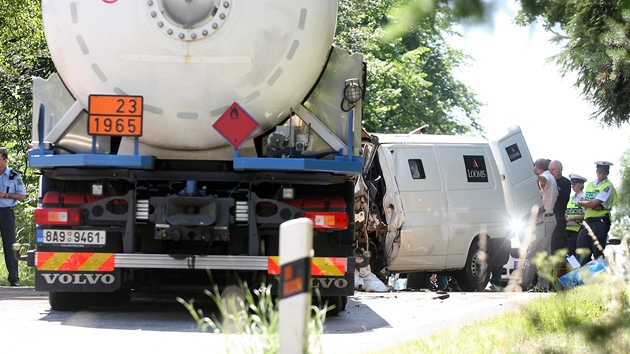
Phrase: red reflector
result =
(328, 219)
(51, 198)
(74, 199)
(57, 216)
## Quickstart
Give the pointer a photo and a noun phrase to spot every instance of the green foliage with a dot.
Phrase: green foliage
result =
(412, 12)
(586, 319)
(593, 35)
(590, 318)
(410, 78)
(23, 54)
(621, 212)
(595, 45)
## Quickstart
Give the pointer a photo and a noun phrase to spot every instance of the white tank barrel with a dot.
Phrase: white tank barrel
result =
(191, 59)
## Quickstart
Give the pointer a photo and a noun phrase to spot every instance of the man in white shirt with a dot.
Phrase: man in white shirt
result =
(549, 190)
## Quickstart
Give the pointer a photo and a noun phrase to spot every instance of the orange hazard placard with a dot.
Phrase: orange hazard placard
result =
(115, 115)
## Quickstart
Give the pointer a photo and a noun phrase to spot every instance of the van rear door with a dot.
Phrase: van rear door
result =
(520, 183)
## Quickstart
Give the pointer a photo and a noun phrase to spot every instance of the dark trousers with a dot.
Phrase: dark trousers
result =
(559, 235)
(600, 227)
(572, 242)
(7, 228)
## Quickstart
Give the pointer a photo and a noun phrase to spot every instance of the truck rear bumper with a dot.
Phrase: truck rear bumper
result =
(104, 262)
(85, 271)
(162, 261)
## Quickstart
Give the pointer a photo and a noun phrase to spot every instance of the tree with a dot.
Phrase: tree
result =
(594, 35)
(621, 211)
(410, 78)
(23, 54)
(595, 44)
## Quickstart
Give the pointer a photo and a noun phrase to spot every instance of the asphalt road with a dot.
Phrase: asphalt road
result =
(161, 325)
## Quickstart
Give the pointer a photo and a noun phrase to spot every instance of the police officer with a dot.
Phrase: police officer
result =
(574, 214)
(11, 191)
(599, 197)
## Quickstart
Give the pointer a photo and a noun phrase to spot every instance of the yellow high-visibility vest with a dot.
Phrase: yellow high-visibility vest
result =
(574, 210)
(591, 192)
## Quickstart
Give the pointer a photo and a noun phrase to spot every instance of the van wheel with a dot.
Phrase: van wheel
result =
(476, 272)
(66, 301)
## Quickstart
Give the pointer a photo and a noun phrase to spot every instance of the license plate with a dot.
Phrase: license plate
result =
(72, 237)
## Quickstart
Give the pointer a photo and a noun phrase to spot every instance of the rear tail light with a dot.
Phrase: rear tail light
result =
(58, 216)
(332, 220)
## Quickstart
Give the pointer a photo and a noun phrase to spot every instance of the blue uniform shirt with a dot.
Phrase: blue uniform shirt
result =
(15, 185)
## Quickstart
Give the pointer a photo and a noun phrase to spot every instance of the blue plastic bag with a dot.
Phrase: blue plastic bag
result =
(582, 274)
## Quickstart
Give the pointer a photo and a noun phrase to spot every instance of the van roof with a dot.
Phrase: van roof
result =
(427, 139)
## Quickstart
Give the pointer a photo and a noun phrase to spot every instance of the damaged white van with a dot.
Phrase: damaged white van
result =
(448, 204)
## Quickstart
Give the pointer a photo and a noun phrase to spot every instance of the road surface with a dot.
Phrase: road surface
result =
(157, 325)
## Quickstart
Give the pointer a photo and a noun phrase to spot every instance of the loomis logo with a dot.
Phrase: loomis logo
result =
(475, 168)
(513, 152)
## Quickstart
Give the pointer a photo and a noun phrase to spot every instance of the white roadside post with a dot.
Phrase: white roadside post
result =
(296, 251)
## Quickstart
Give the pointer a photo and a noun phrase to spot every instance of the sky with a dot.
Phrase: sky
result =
(511, 75)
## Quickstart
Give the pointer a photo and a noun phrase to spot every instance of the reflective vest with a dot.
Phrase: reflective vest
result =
(591, 192)
(572, 211)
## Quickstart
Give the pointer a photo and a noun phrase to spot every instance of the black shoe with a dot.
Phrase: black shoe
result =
(539, 289)
(15, 283)
(533, 289)
(453, 288)
(496, 287)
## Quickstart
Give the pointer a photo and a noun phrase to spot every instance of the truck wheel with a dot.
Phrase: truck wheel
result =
(339, 302)
(64, 301)
(118, 298)
(476, 272)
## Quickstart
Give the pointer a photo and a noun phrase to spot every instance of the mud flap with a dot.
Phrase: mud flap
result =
(500, 252)
(78, 281)
(326, 286)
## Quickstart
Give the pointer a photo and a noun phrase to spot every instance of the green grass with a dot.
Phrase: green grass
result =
(251, 320)
(591, 318)
(27, 274)
(24, 234)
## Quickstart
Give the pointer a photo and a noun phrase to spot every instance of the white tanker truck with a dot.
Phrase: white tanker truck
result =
(178, 135)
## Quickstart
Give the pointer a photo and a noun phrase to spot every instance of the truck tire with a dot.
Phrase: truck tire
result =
(67, 301)
(118, 298)
(476, 273)
(339, 303)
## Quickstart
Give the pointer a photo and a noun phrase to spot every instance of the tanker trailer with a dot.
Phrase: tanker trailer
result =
(176, 137)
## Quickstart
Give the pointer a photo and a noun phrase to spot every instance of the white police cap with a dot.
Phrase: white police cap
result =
(575, 178)
(603, 165)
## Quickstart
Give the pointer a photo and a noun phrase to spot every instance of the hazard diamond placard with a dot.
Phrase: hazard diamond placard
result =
(236, 125)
